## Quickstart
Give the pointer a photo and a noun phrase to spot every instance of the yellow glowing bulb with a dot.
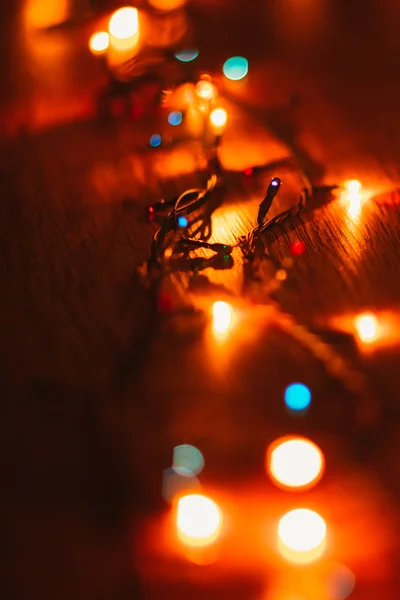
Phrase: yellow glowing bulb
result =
(199, 520)
(222, 317)
(367, 327)
(295, 462)
(124, 23)
(99, 42)
(353, 186)
(302, 535)
(219, 118)
(206, 90)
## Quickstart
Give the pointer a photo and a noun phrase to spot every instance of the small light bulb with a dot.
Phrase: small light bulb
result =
(367, 327)
(99, 42)
(302, 535)
(295, 463)
(124, 23)
(222, 317)
(206, 90)
(353, 186)
(198, 521)
(218, 119)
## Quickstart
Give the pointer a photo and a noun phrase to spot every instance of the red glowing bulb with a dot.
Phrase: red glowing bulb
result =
(297, 248)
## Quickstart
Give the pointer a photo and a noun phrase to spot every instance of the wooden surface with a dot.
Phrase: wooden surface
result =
(97, 390)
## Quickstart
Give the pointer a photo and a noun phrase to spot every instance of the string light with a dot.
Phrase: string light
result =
(236, 68)
(124, 23)
(99, 42)
(206, 90)
(199, 520)
(175, 118)
(155, 141)
(302, 535)
(367, 328)
(222, 317)
(297, 396)
(295, 463)
(186, 56)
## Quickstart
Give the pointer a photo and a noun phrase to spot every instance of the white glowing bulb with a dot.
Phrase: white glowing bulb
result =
(219, 118)
(353, 186)
(99, 42)
(222, 317)
(206, 90)
(198, 520)
(295, 462)
(367, 327)
(124, 23)
(302, 534)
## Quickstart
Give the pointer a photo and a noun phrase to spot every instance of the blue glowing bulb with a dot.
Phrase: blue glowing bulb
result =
(187, 461)
(175, 118)
(187, 55)
(155, 140)
(297, 396)
(182, 221)
(236, 68)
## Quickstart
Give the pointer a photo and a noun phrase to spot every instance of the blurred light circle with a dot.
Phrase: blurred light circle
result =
(295, 462)
(124, 23)
(187, 460)
(99, 42)
(219, 117)
(155, 140)
(175, 118)
(302, 534)
(187, 55)
(367, 327)
(206, 90)
(182, 221)
(341, 582)
(236, 68)
(222, 316)
(198, 520)
(297, 396)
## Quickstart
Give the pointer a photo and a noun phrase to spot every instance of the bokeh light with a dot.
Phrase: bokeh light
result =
(187, 460)
(182, 221)
(236, 68)
(297, 248)
(155, 140)
(295, 463)
(218, 119)
(198, 520)
(340, 583)
(302, 535)
(175, 118)
(99, 42)
(353, 186)
(124, 23)
(206, 90)
(187, 55)
(222, 315)
(297, 396)
(367, 327)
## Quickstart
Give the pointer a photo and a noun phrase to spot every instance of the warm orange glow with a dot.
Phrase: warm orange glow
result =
(222, 317)
(353, 197)
(99, 42)
(295, 462)
(167, 4)
(367, 327)
(353, 186)
(302, 535)
(206, 90)
(218, 119)
(198, 520)
(40, 14)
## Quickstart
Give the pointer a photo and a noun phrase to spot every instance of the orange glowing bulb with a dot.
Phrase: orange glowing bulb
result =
(367, 327)
(302, 535)
(99, 42)
(124, 23)
(222, 314)
(198, 521)
(295, 463)
(206, 90)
